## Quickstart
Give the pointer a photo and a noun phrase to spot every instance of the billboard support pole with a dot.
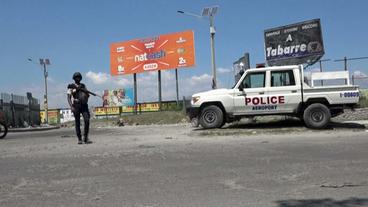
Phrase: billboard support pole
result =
(177, 87)
(159, 90)
(135, 93)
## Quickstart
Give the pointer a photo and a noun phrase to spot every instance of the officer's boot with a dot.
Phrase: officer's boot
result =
(87, 140)
(80, 141)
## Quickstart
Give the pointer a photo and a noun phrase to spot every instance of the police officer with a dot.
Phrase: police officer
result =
(78, 101)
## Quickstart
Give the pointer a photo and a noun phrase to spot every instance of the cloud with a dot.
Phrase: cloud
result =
(224, 70)
(359, 74)
(360, 79)
(97, 78)
(122, 81)
(204, 77)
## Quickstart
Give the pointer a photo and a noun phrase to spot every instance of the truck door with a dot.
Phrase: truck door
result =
(284, 89)
(250, 92)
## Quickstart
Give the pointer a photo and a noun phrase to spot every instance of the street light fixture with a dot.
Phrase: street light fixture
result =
(209, 12)
(44, 62)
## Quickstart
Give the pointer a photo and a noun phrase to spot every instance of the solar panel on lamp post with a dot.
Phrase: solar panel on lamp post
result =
(209, 12)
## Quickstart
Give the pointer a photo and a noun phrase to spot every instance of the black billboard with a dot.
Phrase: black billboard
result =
(293, 44)
(242, 64)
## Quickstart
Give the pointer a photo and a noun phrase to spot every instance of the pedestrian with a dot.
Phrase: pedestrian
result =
(78, 101)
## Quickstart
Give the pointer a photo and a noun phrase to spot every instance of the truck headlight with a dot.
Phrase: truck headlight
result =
(195, 99)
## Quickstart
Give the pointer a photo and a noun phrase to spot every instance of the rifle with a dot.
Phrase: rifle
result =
(73, 86)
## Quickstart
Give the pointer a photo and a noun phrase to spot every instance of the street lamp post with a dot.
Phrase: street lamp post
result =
(212, 32)
(44, 62)
(209, 12)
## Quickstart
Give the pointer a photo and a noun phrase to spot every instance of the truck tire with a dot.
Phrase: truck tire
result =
(316, 116)
(211, 117)
(3, 130)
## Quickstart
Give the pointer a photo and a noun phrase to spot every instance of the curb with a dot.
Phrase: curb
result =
(32, 129)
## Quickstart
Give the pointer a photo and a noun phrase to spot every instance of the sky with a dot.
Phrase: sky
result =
(76, 35)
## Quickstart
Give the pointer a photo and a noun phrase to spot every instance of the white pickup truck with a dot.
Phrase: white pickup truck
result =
(277, 90)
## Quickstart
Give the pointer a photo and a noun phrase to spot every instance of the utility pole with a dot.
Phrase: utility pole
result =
(345, 60)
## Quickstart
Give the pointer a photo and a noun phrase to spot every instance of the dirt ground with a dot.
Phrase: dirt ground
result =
(270, 164)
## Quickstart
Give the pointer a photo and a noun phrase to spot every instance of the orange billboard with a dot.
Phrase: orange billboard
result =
(169, 51)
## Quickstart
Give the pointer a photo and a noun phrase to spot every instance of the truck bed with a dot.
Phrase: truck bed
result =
(342, 94)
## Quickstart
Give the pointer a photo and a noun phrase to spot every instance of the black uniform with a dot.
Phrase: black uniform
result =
(78, 98)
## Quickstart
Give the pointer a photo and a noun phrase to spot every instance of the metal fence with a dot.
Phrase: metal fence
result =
(20, 111)
(5, 97)
(362, 82)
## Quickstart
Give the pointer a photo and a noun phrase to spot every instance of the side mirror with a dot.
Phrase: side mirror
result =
(241, 87)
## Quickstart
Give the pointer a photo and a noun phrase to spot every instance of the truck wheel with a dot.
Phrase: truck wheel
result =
(211, 117)
(316, 116)
(3, 130)
(223, 123)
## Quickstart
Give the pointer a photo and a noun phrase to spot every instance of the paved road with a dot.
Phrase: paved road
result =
(175, 165)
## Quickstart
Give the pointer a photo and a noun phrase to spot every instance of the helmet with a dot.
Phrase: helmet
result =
(77, 75)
